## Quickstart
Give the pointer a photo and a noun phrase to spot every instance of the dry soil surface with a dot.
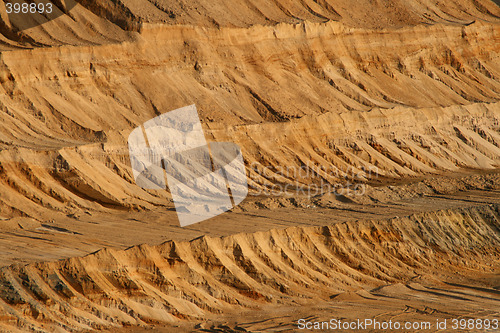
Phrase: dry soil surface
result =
(393, 104)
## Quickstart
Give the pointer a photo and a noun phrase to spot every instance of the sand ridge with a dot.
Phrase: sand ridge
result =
(69, 110)
(400, 97)
(181, 280)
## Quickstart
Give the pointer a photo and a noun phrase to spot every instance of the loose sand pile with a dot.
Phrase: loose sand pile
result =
(400, 97)
(198, 279)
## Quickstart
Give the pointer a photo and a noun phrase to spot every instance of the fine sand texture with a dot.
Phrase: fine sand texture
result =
(393, 105)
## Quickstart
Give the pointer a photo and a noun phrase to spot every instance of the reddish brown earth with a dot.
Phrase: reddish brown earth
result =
(401, 98)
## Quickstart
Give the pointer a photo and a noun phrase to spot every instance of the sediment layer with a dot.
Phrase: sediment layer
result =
(180, 280)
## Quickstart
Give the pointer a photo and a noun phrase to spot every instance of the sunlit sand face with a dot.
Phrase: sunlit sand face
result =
(346, 155)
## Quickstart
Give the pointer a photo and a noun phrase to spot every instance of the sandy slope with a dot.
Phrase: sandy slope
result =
(103, 21)
(411, 101)
(401, 96)
(183, 280)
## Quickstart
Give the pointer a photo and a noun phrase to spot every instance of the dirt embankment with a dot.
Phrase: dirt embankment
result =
(194, 280)
(383, 92)
(85, 22)
(402, 102)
